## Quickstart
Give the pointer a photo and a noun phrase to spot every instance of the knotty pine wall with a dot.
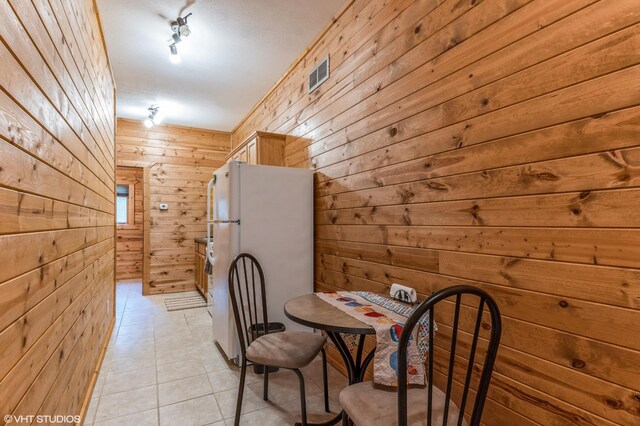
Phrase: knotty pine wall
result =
(129, 237)
(491, 143)
(56, 204)
(180, 162)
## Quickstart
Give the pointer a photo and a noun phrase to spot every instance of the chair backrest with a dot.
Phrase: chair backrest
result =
(248, 299)
(427, 307)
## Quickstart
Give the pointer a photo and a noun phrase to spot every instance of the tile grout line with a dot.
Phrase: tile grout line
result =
(108, 365)
(128, 295)
(198, 335)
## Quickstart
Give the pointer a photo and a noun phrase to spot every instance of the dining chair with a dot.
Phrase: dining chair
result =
(291, 350)
(365, 404)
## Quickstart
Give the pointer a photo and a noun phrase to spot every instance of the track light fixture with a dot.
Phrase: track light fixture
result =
(180, 29)
(153, 117)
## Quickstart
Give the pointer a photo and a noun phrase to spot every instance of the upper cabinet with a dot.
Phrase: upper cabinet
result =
(260, 148)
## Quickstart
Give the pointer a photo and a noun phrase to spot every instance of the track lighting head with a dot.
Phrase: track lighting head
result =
(185, 31)
(183, 28)
(174, 57)
(152, 118)
(180, 27)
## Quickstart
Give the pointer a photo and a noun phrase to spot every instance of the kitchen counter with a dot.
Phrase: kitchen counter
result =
(201, 240)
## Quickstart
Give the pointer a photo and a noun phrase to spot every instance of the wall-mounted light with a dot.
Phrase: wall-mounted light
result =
(153, 117)
(180, 29)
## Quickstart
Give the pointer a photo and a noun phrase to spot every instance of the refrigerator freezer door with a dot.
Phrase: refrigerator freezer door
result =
(226, 240)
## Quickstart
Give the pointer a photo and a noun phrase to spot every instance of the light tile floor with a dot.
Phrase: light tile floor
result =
(163, 368)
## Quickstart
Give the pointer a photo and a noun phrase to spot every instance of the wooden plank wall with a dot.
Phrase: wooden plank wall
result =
(57, 160)
(129, 237)
(491, 143)
(181, 161)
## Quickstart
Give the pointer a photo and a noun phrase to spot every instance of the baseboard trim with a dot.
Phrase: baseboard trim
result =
(94, 377)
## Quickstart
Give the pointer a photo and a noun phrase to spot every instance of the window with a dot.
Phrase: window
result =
(123, 205)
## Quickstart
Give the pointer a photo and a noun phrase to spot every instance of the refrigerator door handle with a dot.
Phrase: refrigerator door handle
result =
(227, 221)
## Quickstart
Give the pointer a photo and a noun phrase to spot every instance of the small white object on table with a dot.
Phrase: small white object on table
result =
(398, 290)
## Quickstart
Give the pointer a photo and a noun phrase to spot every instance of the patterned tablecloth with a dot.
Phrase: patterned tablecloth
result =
(387, 317)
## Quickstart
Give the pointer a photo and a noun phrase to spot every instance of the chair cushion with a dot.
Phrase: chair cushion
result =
(369, 405)
(289, 349)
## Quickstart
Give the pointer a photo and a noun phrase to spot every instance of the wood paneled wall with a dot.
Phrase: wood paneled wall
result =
(180, 163)
(57, 159)
(129, 237)
(491, 143)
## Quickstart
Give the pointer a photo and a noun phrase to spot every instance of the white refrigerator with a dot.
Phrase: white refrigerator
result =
(268, 212)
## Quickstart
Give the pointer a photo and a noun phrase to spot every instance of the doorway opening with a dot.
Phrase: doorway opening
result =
(129, 223)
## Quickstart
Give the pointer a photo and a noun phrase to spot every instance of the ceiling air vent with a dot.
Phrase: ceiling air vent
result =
(319, 74)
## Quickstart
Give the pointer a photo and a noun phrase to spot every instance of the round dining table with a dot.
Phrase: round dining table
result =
(314, 312)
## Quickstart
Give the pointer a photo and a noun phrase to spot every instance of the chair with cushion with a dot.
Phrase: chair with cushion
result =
(366, 404)
(290, 350)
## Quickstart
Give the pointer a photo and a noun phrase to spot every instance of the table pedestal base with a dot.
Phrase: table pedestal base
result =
(356, 369)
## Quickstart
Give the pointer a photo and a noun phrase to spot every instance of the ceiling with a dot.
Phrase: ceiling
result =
(237, 50)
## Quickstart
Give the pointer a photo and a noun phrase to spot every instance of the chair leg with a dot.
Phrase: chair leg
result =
(345, 419)
(325, 380)
(303, 399)
(243, 372)
(265, 389)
